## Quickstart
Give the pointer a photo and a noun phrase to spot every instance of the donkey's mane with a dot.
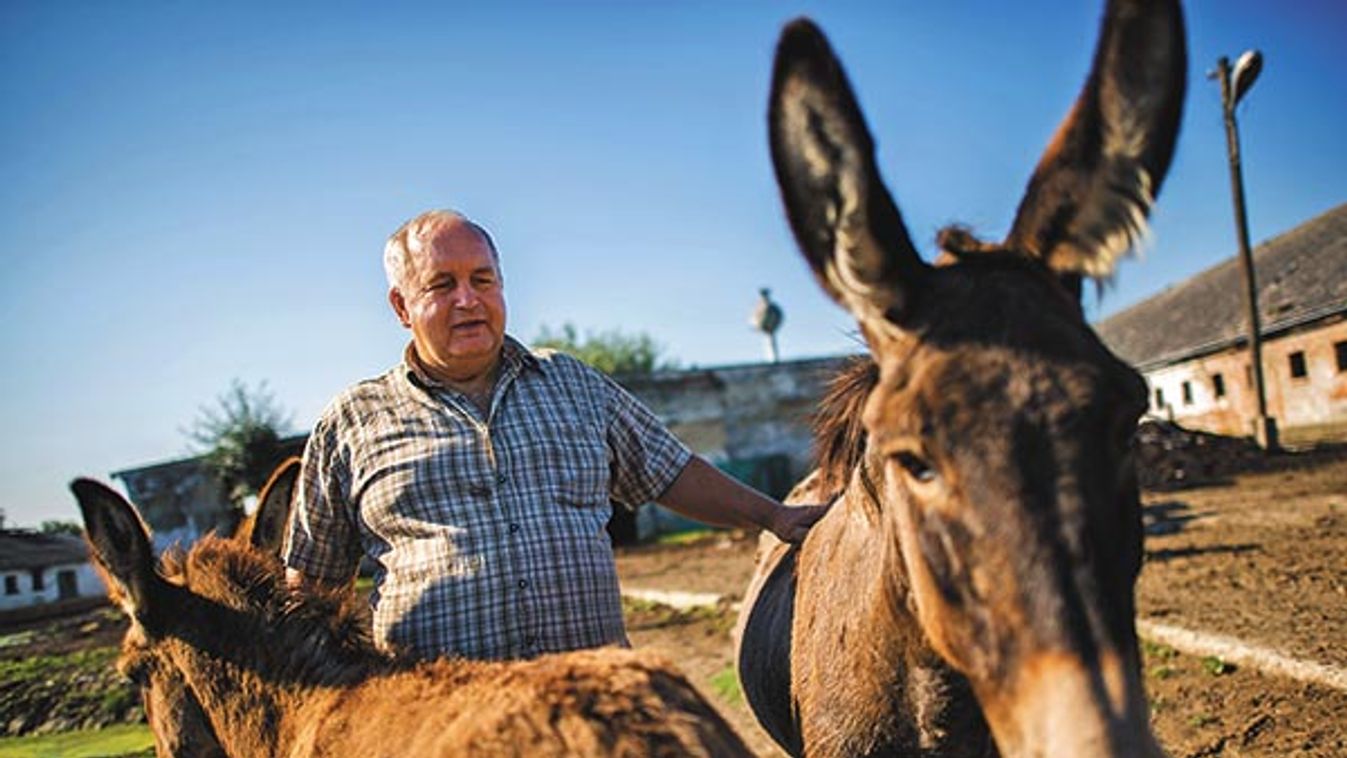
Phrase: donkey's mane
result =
(323, 634)
(839, 435)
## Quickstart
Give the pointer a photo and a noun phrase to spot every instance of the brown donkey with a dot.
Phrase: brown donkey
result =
(234, 665)
(972, 588)
(181, 729)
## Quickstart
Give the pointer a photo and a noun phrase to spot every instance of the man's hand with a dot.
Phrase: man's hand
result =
(790, 523)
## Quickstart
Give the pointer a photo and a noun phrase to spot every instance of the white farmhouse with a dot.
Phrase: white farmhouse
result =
(42, 568)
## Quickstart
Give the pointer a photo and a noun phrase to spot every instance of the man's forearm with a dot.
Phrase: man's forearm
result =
(703, 493)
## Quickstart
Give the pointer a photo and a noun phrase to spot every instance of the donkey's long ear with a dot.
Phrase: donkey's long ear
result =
(273, 508)
(846, 223)
(121, 547)
(1087, 202)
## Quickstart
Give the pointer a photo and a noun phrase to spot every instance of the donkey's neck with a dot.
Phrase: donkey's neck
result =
(256, 706)
(249, 715)
(935, 710)
(257, 671)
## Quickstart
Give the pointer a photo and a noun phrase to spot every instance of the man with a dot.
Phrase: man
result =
(477, 475)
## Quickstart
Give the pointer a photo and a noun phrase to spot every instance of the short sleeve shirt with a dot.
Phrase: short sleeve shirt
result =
(487, 531)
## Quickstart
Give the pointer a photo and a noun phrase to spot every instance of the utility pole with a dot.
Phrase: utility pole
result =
(1234, 85)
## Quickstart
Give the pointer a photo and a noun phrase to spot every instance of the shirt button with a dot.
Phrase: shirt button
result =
(502, 479)
(523, 584)
(514, 528)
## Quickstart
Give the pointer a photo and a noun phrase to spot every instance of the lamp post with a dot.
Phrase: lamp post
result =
(766, 318)
(1235, 83)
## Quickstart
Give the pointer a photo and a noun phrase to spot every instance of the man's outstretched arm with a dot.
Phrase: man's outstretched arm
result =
(704, 493)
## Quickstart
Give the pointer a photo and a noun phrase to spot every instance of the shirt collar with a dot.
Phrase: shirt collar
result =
(514, 359)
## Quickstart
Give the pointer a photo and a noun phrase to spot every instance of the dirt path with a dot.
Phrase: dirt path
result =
(1260, 559)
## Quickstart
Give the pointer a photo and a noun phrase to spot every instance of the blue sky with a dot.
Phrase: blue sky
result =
(197, 192)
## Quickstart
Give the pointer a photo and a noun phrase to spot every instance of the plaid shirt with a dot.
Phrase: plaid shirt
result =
(487, 533)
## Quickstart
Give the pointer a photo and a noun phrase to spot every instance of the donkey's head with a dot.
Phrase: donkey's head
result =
(121, 550)
(1000, 425)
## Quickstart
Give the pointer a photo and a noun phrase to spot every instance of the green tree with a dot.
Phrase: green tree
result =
(241, 438)
(611, 352)
(61, 527)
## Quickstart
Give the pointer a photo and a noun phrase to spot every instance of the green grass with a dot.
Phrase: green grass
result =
(44, 666)
(1158, 650)
(632, 605)
(726, 685)
(1197, 721)
(1214, 666)
(121, 740)
(17, 638)
(686, 538)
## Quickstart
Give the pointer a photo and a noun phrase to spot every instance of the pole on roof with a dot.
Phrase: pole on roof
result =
(1234, 85)
(767, 318)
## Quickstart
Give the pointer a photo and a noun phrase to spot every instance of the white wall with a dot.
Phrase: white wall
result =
(87, 584)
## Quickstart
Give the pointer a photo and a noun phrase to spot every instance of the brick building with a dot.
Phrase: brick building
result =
(1191, 340)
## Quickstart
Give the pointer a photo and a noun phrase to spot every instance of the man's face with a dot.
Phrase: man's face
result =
(453, 301)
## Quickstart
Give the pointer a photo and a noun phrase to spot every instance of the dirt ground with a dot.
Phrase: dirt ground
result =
(1261, 558)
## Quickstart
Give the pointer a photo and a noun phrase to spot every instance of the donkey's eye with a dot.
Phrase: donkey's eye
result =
(916, 467)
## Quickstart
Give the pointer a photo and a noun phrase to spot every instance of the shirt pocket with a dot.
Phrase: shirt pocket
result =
(577, 461)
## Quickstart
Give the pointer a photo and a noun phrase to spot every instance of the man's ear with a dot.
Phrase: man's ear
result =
(399, 304)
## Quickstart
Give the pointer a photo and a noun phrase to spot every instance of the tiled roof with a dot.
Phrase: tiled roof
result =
(1301, 276)
(22, 550)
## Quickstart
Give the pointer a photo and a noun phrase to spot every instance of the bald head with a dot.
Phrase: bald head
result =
(411, 238)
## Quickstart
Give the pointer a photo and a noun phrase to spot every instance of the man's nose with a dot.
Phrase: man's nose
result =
(464, 296)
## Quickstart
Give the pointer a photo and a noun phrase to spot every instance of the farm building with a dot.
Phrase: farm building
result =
(181, 501)
(1191, 341)
(42, 568)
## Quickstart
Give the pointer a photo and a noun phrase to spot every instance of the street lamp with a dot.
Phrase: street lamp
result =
(1235, 84)
(767, 318)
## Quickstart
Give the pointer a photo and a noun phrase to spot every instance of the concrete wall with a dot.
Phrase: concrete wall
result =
(741, 412)
(1307, 409)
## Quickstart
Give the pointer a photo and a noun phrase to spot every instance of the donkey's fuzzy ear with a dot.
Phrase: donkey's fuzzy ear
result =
(1087, 202)
(120, 545)
(273, 508)
(844, 220)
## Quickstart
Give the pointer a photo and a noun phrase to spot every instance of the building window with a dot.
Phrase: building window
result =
(1298, 370)
(38, 583)
(1340, 348)
(1218, 385)
(1159, 399)
(1187, 393)
(11, 584)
